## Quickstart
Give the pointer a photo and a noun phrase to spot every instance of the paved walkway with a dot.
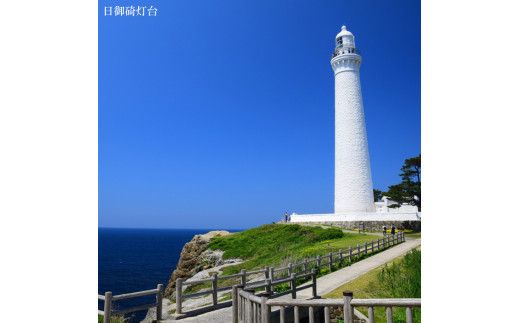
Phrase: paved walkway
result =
(325, 284)
(330, 282)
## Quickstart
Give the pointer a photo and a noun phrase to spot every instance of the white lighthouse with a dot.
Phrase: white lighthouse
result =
(353, 194)
(353, 180)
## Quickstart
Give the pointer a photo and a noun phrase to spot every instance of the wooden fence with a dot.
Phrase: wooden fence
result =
(109, 299)
(250, 308)
(276, 275)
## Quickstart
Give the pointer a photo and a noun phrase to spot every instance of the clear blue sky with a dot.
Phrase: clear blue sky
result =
(220, 114)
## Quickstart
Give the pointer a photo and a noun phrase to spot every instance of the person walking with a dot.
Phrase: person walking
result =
(393, 230)
(384, 230)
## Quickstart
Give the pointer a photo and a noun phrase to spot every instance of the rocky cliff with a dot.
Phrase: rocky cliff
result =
(195, 257)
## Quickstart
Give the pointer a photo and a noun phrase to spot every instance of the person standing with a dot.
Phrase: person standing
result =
(393, 230)
(384, 230)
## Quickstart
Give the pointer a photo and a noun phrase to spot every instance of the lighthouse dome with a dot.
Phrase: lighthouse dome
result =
(345, 38)
(344, 32)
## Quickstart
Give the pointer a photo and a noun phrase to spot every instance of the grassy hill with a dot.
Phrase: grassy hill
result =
(277, 244)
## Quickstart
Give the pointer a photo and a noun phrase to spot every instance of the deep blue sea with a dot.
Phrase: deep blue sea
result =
(132, 260)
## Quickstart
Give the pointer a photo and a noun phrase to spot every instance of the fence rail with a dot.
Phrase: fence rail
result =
(108, 299)
(282, 274)
(250, 308)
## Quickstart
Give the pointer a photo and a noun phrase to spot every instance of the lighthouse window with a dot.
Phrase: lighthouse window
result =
(340, 41)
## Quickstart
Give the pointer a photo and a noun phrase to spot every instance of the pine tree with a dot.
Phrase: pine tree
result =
(409, 190)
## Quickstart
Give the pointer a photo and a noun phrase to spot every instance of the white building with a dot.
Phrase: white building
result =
(353, 191)
(383, 206)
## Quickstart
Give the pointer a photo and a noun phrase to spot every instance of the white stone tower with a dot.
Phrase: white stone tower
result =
(352, 179)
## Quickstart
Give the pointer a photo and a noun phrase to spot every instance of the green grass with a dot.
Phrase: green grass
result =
(398, 279)
(414, 235)
(279, 244)
(226, 297)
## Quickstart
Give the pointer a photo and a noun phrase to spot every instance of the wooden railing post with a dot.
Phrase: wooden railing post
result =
(242, 305)
(372, 247)
(371, 316)
(314, 286)
(178, 296)
(266, 272)
(409, 315)
(296, 314)
(358, 251)
(107, 310)
(311, 314)
(350, 254)
(243, 277)
(366, 250)
(265, 310)
(340, 257)
(305, 266)
(214, 289)
(330, 261)
(271, 273)
(290, 269)
(326, 313)
(293, 285)
(378, 248)
(159, 298)
(268, 287)
(250, 311)
(389, 315)
(348, 312)
(318, 262)
(235, 302)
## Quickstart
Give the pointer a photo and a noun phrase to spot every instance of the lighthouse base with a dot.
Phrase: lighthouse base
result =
(362, 221)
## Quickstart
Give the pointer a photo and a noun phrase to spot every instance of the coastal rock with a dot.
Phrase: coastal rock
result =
(196, 257)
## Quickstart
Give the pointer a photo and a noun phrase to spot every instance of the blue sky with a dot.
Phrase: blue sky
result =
(220, 114)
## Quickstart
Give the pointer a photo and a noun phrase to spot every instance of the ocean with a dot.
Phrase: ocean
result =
(132, 260)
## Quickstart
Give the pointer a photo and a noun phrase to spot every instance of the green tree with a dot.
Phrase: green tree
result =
(378, 195)
(409, 190)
